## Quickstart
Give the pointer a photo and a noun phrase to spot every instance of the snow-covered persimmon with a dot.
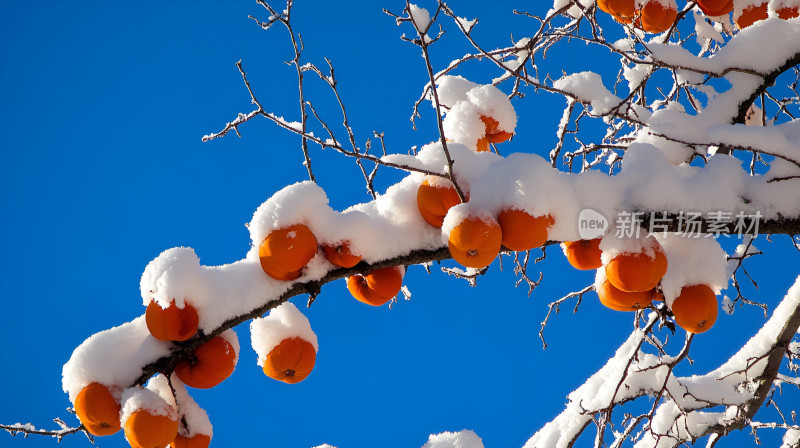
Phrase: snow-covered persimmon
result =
(714, 8)
(171, 323)
(584, 254)
(751, 14)
(98, 410)
(523, 231)
(636, 272)
(788, 12)
(621, 10)
(695, 309)
(377, 287)
(211, 363)
(619, 300)
(195, 441)
(656, 17)
(435, 199)
(146, 430)
(291, 361)
(493, 132)
(286, 251)
(341, 255)
(475, 242)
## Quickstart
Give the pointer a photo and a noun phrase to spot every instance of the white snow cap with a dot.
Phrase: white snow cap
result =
(467, 101)
(233, 339)
(294, 204)
(173, 275)
(462, 439)
(113, 357)
(283, 322)
(459, 213)
(196, 418)
(156, 398)
(420, 16)
(692, 261)
(611, 245)
(452, 89)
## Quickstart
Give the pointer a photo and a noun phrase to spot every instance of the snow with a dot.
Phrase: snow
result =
(156, 398)
(283, 322)
(420, 16)
(112, 357)
(692, 261)
(589, 87)
(195, 417)
(461, 439)
(467, 102)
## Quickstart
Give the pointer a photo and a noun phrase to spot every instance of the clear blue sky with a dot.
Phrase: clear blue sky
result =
(101, 168)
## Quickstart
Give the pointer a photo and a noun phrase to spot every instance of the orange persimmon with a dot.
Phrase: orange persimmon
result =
(751, 15)
(619, 300)
(98, 410)
(788, 12)
(493, 134)
(377, 287)
(434, 201)
(340, 255)
(475, 242)
(695, 309)
(522, 231)
(654, 17)
(195, 441)
(286, 251)
(171, 323)
(211, 363)
(291, 361)
(622, 10)
(584, 254)
(636, 272)
(714, 8)
(146, 430)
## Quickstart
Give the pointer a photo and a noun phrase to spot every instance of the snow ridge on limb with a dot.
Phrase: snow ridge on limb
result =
(741, 384)
(390, 231)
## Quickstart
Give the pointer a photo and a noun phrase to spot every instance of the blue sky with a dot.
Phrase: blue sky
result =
(102, 168)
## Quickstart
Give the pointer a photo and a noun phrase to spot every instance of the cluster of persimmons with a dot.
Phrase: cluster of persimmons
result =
(212, 362)
(631, 283)
(657, 16)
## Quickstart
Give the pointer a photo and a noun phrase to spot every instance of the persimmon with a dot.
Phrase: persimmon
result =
(788, 12)
(695, 309)
(619, 300)
(584, 254)
(341, 255)
(636, 272)
(98, 410)
(195, 441)
(146, 430)
(522, 231)
(714, 8)
(655, 17)
(482, 145)
(493, 133)
(377, 287)
(286, 251)
(171, 323)
(620, 9)
(291, 361)
(475, 241)
(211, 363)
(434, 201)
(750, 15)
